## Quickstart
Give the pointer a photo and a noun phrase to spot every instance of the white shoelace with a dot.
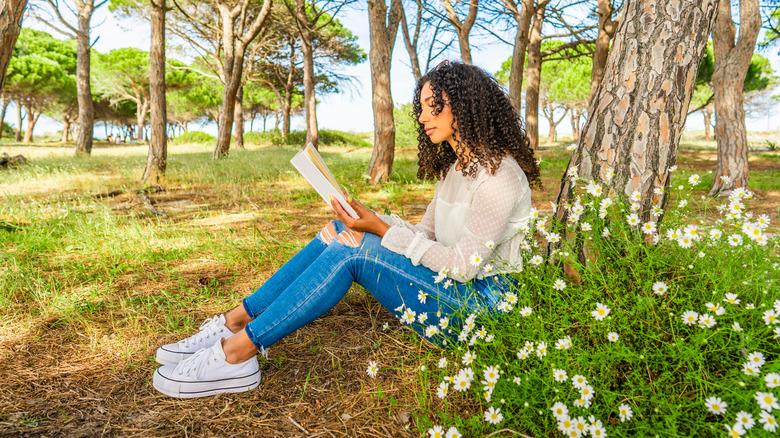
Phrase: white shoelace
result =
(209, 329)
(193, 365)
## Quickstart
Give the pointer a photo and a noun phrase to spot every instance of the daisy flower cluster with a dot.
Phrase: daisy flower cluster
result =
(684, 285)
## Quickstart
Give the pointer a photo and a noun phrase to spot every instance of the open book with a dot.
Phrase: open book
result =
(309, 162)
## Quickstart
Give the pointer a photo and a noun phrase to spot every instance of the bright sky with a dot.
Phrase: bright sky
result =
(352, 111)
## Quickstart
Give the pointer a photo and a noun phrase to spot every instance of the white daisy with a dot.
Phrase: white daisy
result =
(690, 317)
(443, 390)
(772, 380)
(452, 432)
(443, 362)
(601, 312)
(625, 412)
(468, 357)
(461, 383)
(579, 381)
(560, 375)
(768, 420)
(536, 260)
(493, 415)
(491, 374)
(649, 227)
(660, 288)
(431, 331)
(586, 226)
(716, 405)
(613, 337)
(736, 431)
(559, 410)
(436, 432)
(526, 311)
(408, 316)
(745, 419)
(750, 369)
(706, 321)
(596, 429)
(693, 179)
(490, 244)
(770, 317)
(372, 369)
(632, 219)
(563, 343)
(541, 350)
(559, 284)
(444, 323)
(422, 296)
(737, 327)
(756, 358)
(475, 259)
(767, 401)
(732, 298)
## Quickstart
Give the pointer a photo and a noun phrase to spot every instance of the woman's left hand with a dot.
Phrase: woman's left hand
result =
(367, 222)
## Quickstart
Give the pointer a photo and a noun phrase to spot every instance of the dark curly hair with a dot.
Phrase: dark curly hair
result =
(487, 124)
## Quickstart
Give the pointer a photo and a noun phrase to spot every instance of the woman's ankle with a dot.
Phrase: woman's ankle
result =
(237, 319)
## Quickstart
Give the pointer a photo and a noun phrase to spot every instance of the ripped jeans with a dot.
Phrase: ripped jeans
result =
(318, 277)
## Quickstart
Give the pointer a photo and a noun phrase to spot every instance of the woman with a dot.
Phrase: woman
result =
(429, 274)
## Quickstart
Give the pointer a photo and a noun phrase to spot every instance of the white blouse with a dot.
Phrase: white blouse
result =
(466, 215)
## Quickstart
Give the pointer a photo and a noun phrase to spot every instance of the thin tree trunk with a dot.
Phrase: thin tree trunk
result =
(707, 123)
(2, 116)
(234, 49)
(606, 31)
(463, 28)
(65, 128)
(523, 18)
(309, 99)
(636, 119)
(84, 90)
(411, 43)
(157, 157)
(382, 30)
(238, 122)
(533, 73)
(732, 60)
(140, 119)
(31, 119)
(20, 119)
(11, 14)
(286, 113)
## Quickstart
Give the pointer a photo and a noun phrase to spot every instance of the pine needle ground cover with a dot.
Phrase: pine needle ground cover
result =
(92, 282)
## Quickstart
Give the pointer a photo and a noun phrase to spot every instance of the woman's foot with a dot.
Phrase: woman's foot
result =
(210, 332)
(205, 373)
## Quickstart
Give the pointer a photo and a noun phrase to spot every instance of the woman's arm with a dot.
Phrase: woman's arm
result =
(492, 206)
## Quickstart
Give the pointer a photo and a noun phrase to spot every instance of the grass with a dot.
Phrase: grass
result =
(91, 283)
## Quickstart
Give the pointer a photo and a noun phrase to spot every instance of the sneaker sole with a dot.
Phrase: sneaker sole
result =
(184, 389)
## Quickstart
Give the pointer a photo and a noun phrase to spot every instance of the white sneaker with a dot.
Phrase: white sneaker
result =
(206, 373)
(210, 331)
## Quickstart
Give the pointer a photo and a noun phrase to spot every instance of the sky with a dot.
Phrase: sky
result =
(351, 110)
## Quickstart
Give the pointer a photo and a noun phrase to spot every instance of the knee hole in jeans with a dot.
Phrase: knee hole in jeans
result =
(328, 233)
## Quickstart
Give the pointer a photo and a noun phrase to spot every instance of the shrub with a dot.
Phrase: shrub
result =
(194, 137)
(405, 126)
(672, 331)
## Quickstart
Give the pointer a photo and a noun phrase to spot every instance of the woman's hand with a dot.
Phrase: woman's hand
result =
(367, 222)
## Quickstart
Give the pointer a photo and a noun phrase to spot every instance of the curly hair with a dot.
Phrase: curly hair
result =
(487, 124)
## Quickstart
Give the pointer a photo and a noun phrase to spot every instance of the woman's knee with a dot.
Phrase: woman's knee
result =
(336, 230)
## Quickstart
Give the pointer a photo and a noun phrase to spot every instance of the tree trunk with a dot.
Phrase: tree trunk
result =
(382, 30)
(157, 158)
(234, 49)
(140, 119)
(2, 117)
(523, 18)
(463, 29)
(606, 31)
(11, 14)
(309, 99)
(732, 60)
(238, 122)
(707, 122)
(636, 119)
(411, 43)
(575, 124)
(83, 88)
(20, 119)
(65, 128)
(286, 113)
(533, 74)
(31, 119)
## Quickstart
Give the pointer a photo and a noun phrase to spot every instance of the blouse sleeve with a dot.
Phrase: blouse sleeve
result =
(491, 209)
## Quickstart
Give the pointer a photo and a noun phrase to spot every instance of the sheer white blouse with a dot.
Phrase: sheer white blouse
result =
(471, 228)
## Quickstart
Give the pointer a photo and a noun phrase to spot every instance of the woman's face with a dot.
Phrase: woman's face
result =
(438, 127)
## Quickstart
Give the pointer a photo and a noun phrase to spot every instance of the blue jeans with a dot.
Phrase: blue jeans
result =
(318, 277)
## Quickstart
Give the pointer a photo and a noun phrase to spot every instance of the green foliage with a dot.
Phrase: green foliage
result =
(194, 137)
(655, 363)
(405, 126)
(297, 138)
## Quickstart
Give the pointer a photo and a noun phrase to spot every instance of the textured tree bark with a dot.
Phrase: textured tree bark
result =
(383, 29)
(309, 98)
(732, 60)
(32, 119)
(463, 28)
(523, 18)
(20, 118)
(140, 120)
(533, 74)
(238, 122)
(639, 111)
(707, 122)
(65, 128)
(286, 114)
(83, 88)
(157, 157)
(11, 14)
(606, 31)
(234, 49)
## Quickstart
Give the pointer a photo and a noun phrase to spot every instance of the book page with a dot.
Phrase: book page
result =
(309, 162)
